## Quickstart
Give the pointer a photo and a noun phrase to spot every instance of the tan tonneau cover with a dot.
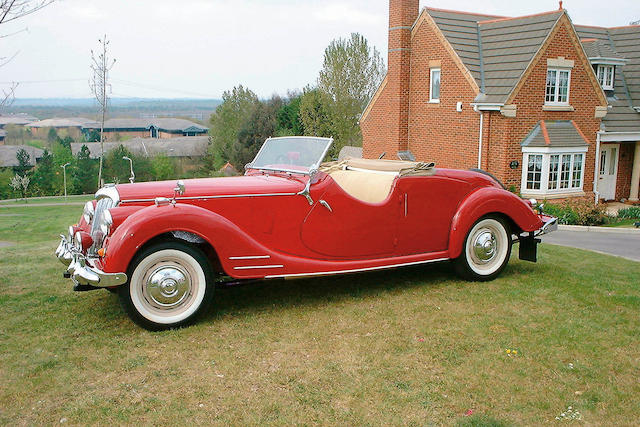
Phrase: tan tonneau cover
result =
(371, 181)
(401, 167)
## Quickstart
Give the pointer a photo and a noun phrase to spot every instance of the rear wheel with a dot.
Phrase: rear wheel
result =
(167, 286)
(486, 250)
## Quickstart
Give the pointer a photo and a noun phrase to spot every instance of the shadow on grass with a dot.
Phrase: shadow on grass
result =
(280, 294)
(314, 292)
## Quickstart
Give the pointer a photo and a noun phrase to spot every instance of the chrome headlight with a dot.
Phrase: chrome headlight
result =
(106, 221)
(88, 212)
(77, 241)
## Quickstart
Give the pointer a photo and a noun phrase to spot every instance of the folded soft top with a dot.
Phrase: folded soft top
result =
(401, 167)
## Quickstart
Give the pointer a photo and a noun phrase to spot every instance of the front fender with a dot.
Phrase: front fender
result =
(485, 201)
(147, 223)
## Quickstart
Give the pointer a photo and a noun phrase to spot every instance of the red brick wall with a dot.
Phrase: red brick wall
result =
(437, 132)
(507, 133)
(385, 129)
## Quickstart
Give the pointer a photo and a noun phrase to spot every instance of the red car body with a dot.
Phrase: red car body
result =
(282, 224)
(282, 235)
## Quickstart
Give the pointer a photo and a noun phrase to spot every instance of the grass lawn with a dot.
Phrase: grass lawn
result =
(409, 347)
(78, 198)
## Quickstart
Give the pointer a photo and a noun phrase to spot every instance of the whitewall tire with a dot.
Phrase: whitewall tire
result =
(167, 286)
(486, 250)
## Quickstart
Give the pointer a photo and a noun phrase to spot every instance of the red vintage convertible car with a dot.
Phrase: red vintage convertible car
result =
(164, 245)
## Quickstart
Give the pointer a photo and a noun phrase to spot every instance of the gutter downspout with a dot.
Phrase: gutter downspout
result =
(596, 172)
(480, 134)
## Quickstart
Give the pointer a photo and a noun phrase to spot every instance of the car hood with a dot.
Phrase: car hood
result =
(227, 186)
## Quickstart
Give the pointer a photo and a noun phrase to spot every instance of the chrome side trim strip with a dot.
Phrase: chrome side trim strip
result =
(250, 257)
(354, 270)
(252, 267)
(224, 196)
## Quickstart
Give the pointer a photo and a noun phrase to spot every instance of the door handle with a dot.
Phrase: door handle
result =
(325, 204)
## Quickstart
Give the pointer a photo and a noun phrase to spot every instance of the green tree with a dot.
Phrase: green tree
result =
(261, 124)
(117, 169)
(44, 175)
(163, 167)
(24, 160)
(237, 105)
(315, 113)
(289, 122)
(350, 75)
(84, 172)
(66, 141)
(92, 136)
(5, 183)
(52, 135)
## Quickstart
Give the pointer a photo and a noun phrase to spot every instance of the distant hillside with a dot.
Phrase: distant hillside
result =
(43, 108)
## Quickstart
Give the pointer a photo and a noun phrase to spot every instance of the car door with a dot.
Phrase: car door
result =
(342, 226)
(428, 206)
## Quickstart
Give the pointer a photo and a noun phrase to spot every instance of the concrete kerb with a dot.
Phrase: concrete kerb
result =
(599, 229)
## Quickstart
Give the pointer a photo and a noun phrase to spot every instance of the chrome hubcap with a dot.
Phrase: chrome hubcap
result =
(484, 246)
(168, 287)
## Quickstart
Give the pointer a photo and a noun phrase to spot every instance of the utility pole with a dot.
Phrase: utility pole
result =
(100, 66)
(64, 175)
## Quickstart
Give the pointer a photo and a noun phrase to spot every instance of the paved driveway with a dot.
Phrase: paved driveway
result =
(626, 245)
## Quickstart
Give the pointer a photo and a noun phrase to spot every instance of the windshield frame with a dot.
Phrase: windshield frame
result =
(312, 168)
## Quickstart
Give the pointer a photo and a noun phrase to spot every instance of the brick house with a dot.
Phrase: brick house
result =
(531, 99)
(114, 129)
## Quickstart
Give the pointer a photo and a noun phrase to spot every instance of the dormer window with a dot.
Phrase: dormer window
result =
(557, 88)
(606, 76)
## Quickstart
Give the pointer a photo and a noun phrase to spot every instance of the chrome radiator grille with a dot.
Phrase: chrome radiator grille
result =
(103, 204)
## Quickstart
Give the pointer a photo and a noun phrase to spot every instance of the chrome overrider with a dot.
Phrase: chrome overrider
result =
(549, 225)
(80, 271)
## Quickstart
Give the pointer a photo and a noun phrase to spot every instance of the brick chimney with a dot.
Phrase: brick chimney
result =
(402, 15)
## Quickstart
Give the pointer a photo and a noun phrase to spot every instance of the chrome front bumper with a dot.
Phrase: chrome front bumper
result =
(81, 272)
(550, 225)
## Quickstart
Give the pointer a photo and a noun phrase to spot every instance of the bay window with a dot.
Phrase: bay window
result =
(553, 171)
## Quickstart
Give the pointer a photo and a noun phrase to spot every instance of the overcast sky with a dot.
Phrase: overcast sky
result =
(199, 48)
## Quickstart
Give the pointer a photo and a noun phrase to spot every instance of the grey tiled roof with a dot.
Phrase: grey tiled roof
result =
(185, 146)
(169, 124)
(595, 48)
(625, 43)
(16, 119)
(8, 154)
(561, 133)
(496, 51)
(61, 122)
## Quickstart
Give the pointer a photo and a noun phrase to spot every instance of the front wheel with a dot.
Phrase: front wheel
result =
(167, 287)
(486, 250)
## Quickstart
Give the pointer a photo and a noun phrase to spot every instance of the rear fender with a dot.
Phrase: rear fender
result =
(484, 201)
(147, 223)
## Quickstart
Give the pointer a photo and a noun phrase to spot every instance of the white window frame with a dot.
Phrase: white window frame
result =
(602, 76)
(556, 93)
(546, 153)
(433, 100)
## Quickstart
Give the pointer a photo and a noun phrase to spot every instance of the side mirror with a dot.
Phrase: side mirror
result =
(248, 166)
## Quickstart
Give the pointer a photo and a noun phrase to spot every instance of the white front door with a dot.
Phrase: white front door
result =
(608, 171)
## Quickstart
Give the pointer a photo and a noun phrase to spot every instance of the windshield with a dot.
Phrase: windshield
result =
(291, 154)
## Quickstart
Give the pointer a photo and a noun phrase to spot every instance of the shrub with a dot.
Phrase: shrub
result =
(632, 212)
(578, 212)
